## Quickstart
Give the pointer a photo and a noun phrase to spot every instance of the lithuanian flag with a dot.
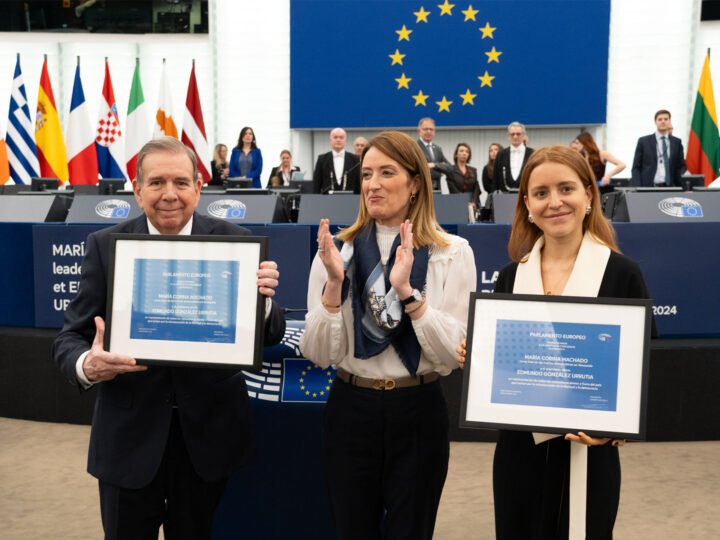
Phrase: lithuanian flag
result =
(703, 155)
(48, 133)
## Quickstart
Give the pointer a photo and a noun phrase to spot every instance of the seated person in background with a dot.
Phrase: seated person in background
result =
(219, 165)
(246, 158)
(282, 174)
(488, 172)
(359, 145)
(337, 170)
(510, 161)
(659, 157)
(433, 153)
(463, 178)
(585, 144)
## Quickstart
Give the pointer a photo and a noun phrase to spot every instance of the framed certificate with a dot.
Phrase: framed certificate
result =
(186, 300)
(557, 364)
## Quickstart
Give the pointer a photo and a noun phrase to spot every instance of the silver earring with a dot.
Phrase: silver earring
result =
(531, 219)
(587, 210)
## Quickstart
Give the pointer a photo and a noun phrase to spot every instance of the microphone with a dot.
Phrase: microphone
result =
(328, 187)
(293, 310)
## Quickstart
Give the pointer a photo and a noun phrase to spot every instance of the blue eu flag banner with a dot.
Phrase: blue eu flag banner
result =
(305, 382)
(380, 63)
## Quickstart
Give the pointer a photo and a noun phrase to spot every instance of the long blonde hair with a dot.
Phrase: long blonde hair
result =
(524, 234)
(401, 148)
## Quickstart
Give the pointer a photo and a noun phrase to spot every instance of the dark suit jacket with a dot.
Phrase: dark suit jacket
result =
(646, 161)
(442, 165)
(503, 175)
(456, 181)
(132, 413)
(324, 174)
(275, 170)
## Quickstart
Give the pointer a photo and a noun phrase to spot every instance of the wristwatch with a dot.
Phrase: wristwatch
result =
(416, 296)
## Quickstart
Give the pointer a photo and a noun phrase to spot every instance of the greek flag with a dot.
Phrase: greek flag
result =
(21, 149)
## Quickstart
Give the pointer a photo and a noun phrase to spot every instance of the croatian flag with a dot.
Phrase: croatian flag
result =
(83, 163)
(108, 137)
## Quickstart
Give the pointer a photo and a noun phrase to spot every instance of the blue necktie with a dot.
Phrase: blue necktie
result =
(666, 161)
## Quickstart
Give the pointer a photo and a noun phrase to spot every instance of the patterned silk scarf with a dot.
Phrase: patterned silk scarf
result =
(378, 315)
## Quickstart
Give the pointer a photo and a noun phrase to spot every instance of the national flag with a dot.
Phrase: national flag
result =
(193, 133)
(485, 63)
(108, 138)
(4, 166)
(164, 122)
(48, 132)
(83, 162)
(137, 125)
(21, 149)
(703, 154)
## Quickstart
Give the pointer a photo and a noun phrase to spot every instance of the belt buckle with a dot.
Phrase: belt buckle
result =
(384, 384)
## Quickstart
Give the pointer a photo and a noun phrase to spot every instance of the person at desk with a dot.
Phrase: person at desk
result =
(337, 170)
(282, 174)
(437, 162)
(509, 162)
(391, 338)
(598, 159)
(164, 440)
(246, 158)
(219, 165)
(463, 178)
(659, 158)
(561, 244)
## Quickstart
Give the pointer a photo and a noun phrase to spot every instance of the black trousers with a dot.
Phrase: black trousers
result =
(177, 498)
(387, 459)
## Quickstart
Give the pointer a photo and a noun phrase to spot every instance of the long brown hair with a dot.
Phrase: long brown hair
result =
(401, 148)
(524, 234)
(490, 166)
(591, 149)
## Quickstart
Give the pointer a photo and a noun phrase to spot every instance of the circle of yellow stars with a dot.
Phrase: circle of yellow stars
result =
(421, 16)
(318, 393)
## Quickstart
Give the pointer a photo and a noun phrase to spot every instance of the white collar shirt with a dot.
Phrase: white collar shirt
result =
(517, 154)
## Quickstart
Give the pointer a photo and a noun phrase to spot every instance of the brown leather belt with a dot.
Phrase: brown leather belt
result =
(386, 384)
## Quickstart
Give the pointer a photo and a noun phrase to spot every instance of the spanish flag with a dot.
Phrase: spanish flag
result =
(4, 166)
(703, 155)
(48, 133)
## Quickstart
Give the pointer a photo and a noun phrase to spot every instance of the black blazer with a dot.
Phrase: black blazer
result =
(456, 181)
(502, 175)
(216, 169)
(132, 413)
(324, 174)
(442, 165)
(646, 160)
(275, 170)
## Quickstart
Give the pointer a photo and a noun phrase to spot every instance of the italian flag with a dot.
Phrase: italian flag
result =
(137, 125)
(703, 155)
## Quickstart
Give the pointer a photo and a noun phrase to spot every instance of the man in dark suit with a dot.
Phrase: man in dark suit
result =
(659, 158)
(337, 170)
(433, 153)
(510, 161)
(164, 439)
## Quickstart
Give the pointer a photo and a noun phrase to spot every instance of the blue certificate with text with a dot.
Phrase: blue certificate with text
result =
(556, 364)
(184, 300)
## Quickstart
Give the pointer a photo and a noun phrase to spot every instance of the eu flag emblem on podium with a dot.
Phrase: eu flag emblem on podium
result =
(304, 382)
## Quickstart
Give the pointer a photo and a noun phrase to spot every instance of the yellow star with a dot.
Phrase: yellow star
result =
(444, 105)
(486, 80)
(307, 392)
(314, 394)
(301, 380)
(403, 82)
(403, 33)
(493, 56)
(420, 99)
(302, 387)
(421, 15)
(470, 13)
(487, 31)
(446, 8)
(468, 97)
(397, 58)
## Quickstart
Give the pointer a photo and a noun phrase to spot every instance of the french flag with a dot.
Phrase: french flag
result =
(83, 164)
(108, 137)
